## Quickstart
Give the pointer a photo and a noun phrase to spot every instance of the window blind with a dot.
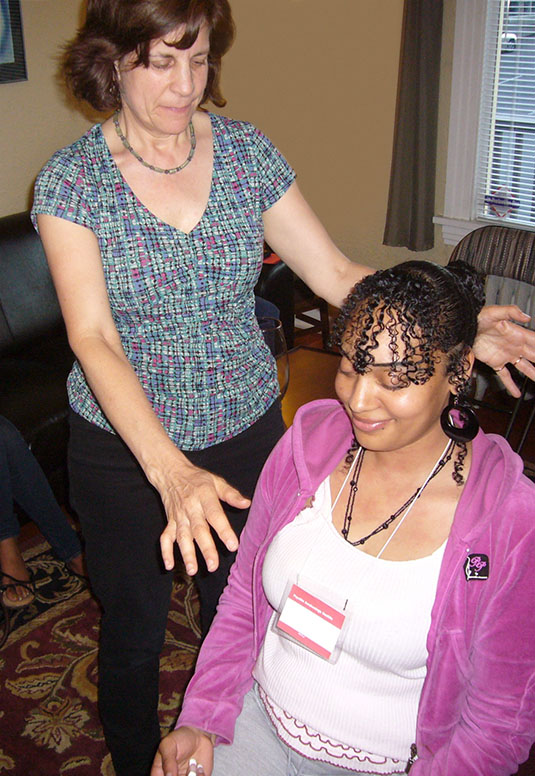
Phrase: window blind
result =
(505, 172)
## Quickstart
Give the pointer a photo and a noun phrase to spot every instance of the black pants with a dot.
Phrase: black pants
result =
(122, 518)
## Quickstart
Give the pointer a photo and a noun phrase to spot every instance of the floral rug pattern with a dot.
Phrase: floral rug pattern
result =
(48, 666)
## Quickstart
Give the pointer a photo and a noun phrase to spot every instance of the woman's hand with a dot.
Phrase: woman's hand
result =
(191, 497)
(501, 341)
(178, 748)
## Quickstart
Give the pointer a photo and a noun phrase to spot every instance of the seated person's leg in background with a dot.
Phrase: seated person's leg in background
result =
(23, 481)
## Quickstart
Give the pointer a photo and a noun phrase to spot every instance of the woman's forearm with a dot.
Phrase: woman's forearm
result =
(124, 403)
(296, 234)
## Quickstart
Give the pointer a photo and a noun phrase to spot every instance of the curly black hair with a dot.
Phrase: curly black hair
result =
(429, 310)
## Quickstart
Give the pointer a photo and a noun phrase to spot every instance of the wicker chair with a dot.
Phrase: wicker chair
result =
(507, 257)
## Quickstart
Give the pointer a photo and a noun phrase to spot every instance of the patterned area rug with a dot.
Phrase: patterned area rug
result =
(48, 716)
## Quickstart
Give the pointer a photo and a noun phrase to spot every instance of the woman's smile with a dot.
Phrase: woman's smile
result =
(367, 425)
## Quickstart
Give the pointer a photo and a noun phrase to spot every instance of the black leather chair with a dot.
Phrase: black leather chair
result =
(35, 357)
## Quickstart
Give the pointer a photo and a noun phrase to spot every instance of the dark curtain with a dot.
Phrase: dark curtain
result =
(411, 200)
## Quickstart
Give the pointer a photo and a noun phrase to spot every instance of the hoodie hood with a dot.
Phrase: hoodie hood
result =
(496, 465)
(326, 430)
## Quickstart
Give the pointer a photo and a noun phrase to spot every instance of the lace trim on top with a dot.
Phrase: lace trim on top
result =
(316, 746)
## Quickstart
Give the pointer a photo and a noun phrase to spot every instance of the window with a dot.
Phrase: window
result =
(491, 146)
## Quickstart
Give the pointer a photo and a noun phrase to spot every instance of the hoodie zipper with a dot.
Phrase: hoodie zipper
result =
(412, 758)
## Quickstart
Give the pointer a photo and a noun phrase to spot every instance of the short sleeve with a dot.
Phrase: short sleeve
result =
(64, 189)
(275, 174)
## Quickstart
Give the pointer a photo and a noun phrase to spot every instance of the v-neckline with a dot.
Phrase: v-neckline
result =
(140, 202)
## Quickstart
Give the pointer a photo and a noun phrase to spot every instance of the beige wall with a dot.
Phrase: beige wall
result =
(35, 118)
(319, 78)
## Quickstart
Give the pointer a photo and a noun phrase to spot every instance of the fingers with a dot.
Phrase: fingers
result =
(218, 519)
(512, 312)
(230, 495)
(184, 752)
(526, 367)
(166, 760)
(209, 513)
(516, 314)
(501, 340)
(508, 382)
(157, 766)
(195, 768)
(167, 547)
(192, 504)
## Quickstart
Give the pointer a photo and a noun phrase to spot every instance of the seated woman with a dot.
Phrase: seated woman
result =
(379, 616)
(23, 481)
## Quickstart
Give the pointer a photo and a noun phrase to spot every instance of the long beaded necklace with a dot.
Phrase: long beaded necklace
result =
(405, 508)
(170, 170)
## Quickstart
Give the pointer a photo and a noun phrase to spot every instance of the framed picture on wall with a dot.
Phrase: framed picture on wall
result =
(12, 60)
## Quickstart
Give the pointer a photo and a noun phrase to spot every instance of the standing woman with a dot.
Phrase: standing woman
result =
(153, 224)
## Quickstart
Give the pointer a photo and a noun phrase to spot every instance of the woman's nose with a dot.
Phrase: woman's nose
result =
(362, 394)
(182, 82)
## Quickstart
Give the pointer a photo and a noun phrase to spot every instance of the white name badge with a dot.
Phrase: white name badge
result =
(311, 622)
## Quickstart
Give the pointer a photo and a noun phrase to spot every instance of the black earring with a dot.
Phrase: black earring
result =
(470, 423)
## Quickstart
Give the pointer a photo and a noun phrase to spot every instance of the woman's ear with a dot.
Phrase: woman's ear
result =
(470, 360)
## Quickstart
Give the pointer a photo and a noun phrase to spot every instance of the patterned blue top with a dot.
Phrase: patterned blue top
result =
(183, 303)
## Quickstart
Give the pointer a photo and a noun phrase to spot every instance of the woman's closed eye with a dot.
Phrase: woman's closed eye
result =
(391, 379)
(395, 380)
(161, 63)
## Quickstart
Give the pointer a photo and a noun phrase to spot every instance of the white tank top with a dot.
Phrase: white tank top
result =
(369, 698)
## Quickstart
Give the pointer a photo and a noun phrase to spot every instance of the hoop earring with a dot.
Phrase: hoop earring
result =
(470, 427)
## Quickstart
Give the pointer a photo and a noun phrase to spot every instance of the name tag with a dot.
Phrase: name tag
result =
(311, 622)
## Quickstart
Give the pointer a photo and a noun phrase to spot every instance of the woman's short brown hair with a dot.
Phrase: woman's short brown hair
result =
(115, 28)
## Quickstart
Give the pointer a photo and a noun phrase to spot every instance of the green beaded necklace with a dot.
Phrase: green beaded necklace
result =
(171, 170)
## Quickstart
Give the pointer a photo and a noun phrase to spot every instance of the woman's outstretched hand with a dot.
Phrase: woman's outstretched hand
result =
(191, 497)
(501, 341)
(183, 752)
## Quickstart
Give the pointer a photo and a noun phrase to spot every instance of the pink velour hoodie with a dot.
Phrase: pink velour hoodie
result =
(476, 714)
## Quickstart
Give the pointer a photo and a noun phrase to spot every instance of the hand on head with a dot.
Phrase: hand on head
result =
(501, 341)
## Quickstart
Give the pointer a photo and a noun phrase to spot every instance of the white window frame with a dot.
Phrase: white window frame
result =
(469, 44)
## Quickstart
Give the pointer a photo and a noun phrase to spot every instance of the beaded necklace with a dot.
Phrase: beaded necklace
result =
(406, 507)
(170, 170)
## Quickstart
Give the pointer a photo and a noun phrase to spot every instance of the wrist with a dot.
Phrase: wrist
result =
(163, 464)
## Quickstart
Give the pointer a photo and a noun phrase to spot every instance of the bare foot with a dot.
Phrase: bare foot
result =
(11, 563)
